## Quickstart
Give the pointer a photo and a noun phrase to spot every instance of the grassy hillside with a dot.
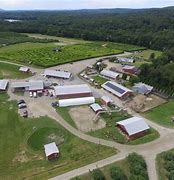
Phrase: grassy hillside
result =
(21, 146)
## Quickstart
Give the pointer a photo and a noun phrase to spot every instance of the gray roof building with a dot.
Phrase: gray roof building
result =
(57, 74)
(3, 85)
(142, 88)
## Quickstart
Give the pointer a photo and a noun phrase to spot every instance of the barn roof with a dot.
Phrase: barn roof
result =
(57, 73)
(72, 89)
(51, 149)
(3, 84)
(115, 88)
(134, 125)
(109, 73)
(36, 85)
(107, 99)
(96, 107)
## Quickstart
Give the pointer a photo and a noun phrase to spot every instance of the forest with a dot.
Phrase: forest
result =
(160, 73)
(151, 28)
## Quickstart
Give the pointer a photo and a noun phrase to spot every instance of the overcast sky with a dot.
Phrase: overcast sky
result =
(82, 4)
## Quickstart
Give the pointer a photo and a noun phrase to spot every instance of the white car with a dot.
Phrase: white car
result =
(31, 94)
(35, 94)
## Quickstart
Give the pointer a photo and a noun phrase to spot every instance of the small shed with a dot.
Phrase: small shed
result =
(96, 107)
(51, 151)
(3, 85)
(24, 69)
(106, 100)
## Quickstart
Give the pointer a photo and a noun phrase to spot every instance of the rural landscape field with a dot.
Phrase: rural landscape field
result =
(86, 91)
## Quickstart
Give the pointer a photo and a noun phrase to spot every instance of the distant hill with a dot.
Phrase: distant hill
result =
(1, 9)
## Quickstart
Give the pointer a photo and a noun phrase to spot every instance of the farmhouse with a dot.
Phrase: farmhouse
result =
(142, 88)
(72, 91)
(106, 100)
(130, 69)
(96, 107)
(76, 101)
(51, 151)
(57, 74)
(117, 89)
(32, 85)
(133, 127)
(3, 85)
(109, 74)
(24, 69)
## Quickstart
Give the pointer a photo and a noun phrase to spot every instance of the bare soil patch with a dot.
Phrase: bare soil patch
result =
(143, 103)
(83, 117)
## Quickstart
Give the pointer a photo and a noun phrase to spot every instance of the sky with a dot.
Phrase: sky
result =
(81, 4)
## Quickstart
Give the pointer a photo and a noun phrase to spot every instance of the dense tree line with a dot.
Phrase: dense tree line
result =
(160, 73)
(152, 28)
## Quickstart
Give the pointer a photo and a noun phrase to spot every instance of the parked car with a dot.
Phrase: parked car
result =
(20, 101)
(25, 114)
(55, 104)
(31, 94)
(21, 106)
(35, 94)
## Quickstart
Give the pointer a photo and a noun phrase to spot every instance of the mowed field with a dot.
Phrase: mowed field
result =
(9, 71)
(43, 54)
(21, 146)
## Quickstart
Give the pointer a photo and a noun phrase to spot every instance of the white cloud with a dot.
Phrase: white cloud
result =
(81, 4)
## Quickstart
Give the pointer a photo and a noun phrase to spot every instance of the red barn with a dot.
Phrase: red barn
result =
(133, 127)
(51, 151)
(130, 69)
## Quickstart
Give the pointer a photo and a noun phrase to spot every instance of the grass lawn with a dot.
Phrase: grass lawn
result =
(9, 71)
(100, 80)
(146, 54)
(64, 112)
(42, 54)
(21, 146)
(162, 115)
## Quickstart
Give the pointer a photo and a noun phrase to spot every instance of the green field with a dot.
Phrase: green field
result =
(21, 146)
(9, 71)
(146, 54)
(162, 114)
(100, 80)
(42, 54)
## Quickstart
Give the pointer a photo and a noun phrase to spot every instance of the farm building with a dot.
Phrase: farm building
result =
(51, 151)
(32, 85)
(72, 91)
(57, 74)
(109, 74)
(3, 85)
(117, 89)
(142, 88)
(125, 60)
(96, 107)
(24, 69)
(106, 100)
(130, 69)
(133, 127)
(76, 101)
